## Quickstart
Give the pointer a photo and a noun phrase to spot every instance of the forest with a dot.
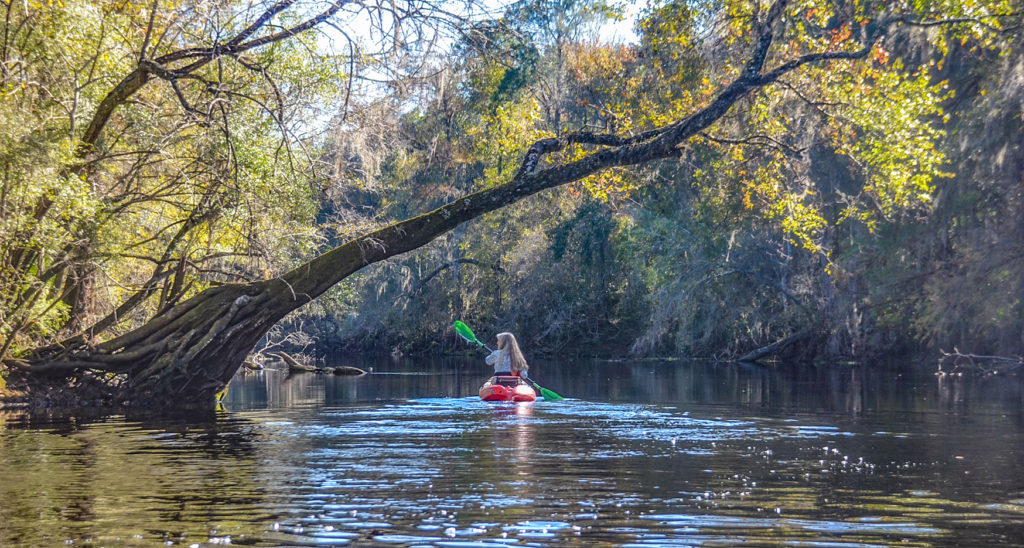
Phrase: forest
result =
(188, 184)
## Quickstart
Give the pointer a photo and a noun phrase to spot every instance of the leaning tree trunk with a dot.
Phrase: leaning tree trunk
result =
(188, 353)
(185, 355)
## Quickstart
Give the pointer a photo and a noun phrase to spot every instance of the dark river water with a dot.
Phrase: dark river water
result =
(638, 454)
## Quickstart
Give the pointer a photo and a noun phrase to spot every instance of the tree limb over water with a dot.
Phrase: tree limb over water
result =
(188, 352)
(957, 363)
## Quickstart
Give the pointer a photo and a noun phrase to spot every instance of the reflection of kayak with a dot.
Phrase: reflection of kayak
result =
(506, 389)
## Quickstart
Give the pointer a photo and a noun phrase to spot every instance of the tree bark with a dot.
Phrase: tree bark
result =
(776, 347)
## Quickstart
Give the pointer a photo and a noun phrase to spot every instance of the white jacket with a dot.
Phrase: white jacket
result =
(501, 361)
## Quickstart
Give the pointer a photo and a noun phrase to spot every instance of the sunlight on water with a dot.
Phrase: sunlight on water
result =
(454, 471)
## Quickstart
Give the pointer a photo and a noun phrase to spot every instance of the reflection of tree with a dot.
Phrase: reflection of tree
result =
(388, 380)
(843, 389)
(44, 504)
(108, 480)
(854, 392)
(951, 390)
(837, 389)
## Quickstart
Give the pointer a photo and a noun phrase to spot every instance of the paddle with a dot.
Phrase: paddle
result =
(466, 333)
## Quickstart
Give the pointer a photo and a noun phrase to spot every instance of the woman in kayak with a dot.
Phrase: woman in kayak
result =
(508, 360)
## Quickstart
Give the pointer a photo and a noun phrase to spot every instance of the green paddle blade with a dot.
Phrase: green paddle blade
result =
(466, 333)
(548, 394)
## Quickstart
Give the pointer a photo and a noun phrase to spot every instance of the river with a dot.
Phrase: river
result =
(640, 454)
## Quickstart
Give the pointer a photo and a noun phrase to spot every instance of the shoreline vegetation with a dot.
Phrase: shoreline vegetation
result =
(747, 181)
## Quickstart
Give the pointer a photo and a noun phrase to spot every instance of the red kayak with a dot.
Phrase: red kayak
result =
(507, 389)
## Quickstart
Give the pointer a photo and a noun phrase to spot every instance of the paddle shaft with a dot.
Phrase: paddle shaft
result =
(548, 394)
(466, 333)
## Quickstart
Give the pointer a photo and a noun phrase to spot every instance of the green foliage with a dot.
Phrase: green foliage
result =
(501, 139)
(212, 179)
(893, 135)
(768, 223)
(781, 214)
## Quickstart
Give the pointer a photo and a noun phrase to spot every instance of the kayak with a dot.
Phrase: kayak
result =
(507, 389)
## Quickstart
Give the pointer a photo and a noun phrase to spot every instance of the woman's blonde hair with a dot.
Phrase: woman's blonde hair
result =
(507, 342)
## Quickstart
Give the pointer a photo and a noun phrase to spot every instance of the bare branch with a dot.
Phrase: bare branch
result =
(417, 288)
(963, 20)
(141, 75)
(756, 140)
(149, 30)
(236, 45)
(956, 362)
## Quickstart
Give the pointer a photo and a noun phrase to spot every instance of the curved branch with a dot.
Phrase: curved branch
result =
(961, 20)
(555, 144)
(141, 75)
(115, 98)
(236, 44)
(313, 278)
(811, 58)
(756, 140)
(765, 38)
(416, 289)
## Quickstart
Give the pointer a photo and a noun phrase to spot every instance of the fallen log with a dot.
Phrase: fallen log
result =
(775, 347)
(956, 363)
(348, 370)
(294, 366)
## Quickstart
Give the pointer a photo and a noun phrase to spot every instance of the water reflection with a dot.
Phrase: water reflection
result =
(64, 483)
(648, 454)
(512, 437)
(847, 389)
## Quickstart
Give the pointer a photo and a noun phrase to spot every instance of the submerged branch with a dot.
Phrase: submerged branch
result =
(956, 363)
